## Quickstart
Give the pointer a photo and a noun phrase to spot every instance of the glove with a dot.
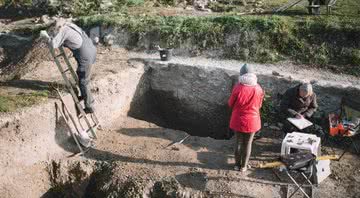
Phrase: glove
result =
(44, 34)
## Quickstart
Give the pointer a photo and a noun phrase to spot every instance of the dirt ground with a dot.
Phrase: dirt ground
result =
(147, 146)
(145, 152)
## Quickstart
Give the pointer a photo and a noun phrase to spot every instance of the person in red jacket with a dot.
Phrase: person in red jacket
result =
(245, 101)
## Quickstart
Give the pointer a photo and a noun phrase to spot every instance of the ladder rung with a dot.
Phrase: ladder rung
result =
(91, 128)
(66, 71)
(61, 54)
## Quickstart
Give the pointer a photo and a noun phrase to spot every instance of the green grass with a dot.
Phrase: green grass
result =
(89, 7)
(330, 42)
(317, 40)
(347, 7)
(9, 103)
(342, 7)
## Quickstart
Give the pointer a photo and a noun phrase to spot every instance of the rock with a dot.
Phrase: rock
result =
(206, 10)
(175, 148)
(2, 55)
(189, 8)
(106, 4)
(275, 73)
(96, 40)
(200, 4)
(95, 34)
(168, 187)
(44, 19)
(313, 81)
(182, 4)
(259, 10)
(109, 39)
(280, 124)
(266, 124)
(274, 128)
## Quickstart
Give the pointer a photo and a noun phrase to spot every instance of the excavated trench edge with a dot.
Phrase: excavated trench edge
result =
(194, 98)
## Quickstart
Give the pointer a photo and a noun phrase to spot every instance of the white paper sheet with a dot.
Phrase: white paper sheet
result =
(300, 123)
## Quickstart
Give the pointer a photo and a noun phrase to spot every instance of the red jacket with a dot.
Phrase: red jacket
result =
(246, 102)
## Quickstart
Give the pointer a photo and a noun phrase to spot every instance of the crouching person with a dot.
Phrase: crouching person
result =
(245, 101)
(299, 102)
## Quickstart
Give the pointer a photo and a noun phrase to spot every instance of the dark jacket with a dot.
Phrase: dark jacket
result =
(292, 104)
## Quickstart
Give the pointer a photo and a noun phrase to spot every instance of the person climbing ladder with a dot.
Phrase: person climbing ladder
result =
(73, 37)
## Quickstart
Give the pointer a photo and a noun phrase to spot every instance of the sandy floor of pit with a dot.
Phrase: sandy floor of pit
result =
(203, 164)
(141, 145)
(145, 146)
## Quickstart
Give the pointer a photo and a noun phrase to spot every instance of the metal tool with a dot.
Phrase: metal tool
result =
(179, 142)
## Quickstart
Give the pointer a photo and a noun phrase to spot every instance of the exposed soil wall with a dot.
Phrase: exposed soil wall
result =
(184, 97)
(194, 98)
(39, 133)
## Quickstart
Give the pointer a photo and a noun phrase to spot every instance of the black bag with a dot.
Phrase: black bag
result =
(298, 160)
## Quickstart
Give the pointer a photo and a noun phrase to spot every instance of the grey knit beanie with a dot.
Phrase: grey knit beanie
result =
(246, 69)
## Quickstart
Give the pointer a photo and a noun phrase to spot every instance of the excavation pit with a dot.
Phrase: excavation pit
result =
(146, 105)
(189, 99)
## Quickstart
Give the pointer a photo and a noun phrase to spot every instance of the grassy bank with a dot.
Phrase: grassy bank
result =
(321, 41)
(9, 103)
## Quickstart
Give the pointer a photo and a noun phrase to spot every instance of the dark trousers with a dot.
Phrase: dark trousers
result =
(84, 84)
(85, 57)
(243, 148)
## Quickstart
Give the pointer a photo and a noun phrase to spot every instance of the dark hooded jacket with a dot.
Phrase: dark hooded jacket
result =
(292, 104)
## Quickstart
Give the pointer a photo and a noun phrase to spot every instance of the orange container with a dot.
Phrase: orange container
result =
(334, 131)
(335, 126)
(341, 129)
